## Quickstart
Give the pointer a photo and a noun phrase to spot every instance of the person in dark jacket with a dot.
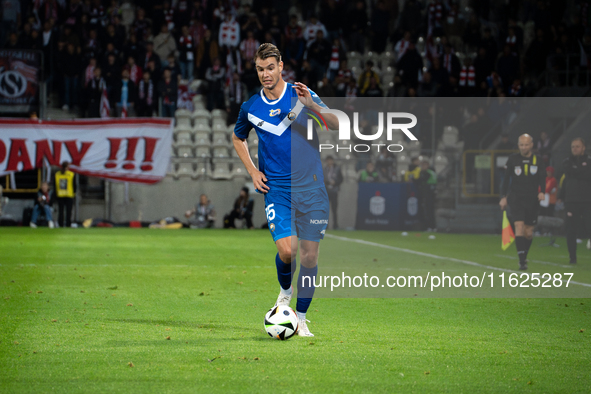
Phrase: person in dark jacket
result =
(71, 67)
(124, 95)
(146, 93)
(243, 207)
(168, 92)
(575, 191)
(94, 93)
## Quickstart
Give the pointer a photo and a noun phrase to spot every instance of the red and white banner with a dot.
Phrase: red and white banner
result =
(130, 150)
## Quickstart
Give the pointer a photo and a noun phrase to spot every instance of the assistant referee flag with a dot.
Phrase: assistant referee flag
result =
(507, 235)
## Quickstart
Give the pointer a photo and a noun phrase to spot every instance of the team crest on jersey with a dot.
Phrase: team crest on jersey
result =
(272, 227)
(534, 170)
(291, 116)
(517, 170)
(274, 112)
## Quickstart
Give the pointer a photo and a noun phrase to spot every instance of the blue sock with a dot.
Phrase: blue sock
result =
(305, 288)
(284, 272)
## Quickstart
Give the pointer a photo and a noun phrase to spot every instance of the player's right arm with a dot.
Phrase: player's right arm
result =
(241, 131)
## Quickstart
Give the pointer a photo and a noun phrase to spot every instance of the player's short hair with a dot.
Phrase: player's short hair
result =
(267, 50)
(579, 139)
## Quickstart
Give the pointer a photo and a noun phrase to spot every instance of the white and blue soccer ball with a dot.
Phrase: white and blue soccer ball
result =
(281, 322)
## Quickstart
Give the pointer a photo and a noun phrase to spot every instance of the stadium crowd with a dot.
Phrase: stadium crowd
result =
(139, 52)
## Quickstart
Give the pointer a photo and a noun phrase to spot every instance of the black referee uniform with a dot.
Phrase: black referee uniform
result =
(575, 191)
(525, 177)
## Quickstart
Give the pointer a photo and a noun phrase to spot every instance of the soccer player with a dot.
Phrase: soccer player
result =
(576, 194)
(296, 202)
(524, 185)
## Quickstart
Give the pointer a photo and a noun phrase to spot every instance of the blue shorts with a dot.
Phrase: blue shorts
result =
(304, 214)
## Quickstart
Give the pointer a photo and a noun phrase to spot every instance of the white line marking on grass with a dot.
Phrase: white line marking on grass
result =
(534, 261)
(434, 256)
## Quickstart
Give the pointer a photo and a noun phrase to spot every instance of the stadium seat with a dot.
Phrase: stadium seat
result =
(202, 169)
(201, 114)
(219, 125)
(184, 169)
(184, 150)
(440, 163)
(233, 153)
(221, 152)
(198, 105)
(450, 136)
(127, 14)
(402, 161)
(202, 139)
(238, 170)
(220, 139)
(230, 128)
(387, 59)
(413, 148)
(219, 114)
(183, 118)
(202, 152)
(354, 59)
(201, 126)
(182, 135)
(221, 170)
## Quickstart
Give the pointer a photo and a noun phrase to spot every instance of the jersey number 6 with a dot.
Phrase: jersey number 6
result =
(270, 212)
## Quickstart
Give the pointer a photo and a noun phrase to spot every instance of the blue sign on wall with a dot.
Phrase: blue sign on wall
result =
(386, 206)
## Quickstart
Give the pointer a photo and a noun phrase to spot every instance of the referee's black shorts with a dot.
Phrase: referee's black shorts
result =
(523, 209)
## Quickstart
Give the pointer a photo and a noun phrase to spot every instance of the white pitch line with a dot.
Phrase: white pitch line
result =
(433, 256)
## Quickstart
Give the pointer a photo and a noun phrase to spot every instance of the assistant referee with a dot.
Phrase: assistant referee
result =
(523, 187)
(576, 194)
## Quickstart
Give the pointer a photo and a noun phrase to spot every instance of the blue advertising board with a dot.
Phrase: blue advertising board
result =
(387, 206)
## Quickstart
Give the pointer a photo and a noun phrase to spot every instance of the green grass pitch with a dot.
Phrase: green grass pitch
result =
(156, 311)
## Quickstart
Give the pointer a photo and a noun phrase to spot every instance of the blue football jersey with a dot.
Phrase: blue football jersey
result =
(286, 157)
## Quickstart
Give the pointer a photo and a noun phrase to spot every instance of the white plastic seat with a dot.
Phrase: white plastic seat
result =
(201, 170)
(182, 135)
(221, 152)
(219, 127)
(238, 171)
(354, 59)
(201, 114)
(440, 163)
(219, 114)
(184, 169)
(221, 170)
(202, 152)
(183, 118)
(202, 139)
(184, 151)
(220, 139)
(201, 127)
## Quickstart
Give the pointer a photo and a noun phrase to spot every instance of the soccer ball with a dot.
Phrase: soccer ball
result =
(281, 322)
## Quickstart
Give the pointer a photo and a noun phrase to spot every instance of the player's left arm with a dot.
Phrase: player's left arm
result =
(542, 183)
(315, 104)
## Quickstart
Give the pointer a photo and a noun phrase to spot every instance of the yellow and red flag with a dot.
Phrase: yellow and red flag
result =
(507, 235)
